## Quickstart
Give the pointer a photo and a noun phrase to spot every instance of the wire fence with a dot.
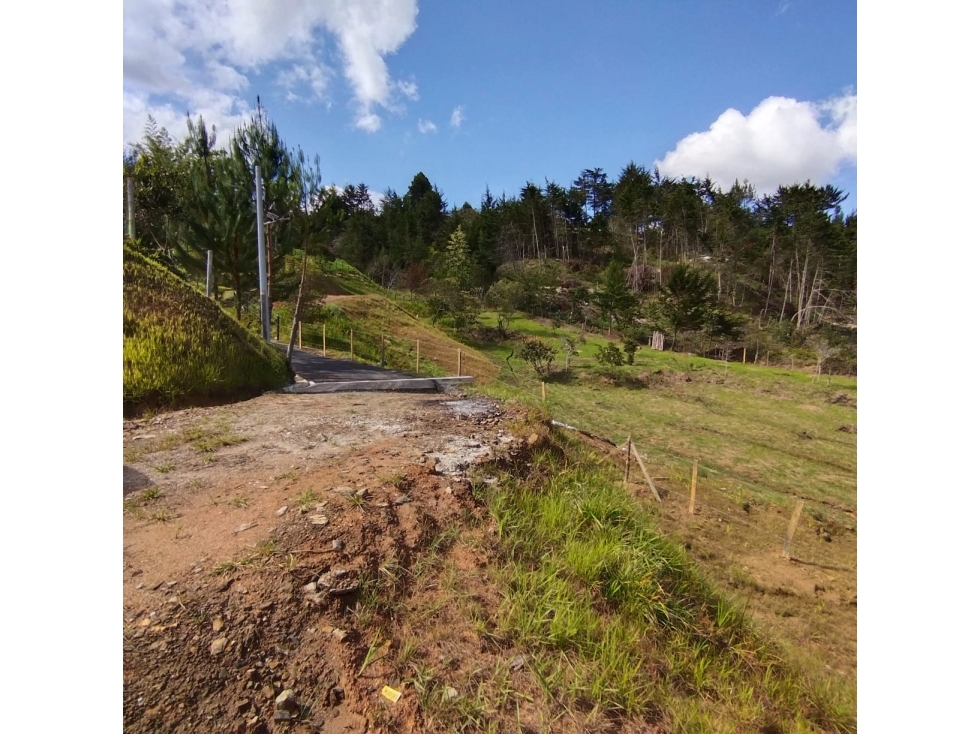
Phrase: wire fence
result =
(424, 356)
(818, 535)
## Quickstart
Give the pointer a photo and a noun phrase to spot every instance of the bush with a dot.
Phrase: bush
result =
(539, 355)
(610, 356)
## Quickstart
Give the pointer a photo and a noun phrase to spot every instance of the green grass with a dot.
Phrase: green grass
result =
(181, 349)
(254, 558)
(134, 504)
(307, 499)
(616, 617)
(766, 431)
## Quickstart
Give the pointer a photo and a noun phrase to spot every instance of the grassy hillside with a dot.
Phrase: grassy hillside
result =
(181, 349)
(619, 619)
(763, 438)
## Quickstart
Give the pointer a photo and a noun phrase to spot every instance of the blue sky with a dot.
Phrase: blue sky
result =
(762, 90)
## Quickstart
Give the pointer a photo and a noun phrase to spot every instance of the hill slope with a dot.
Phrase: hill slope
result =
(181, 349)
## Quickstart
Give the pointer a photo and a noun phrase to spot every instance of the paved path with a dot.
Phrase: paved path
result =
(325, 374)
(317, 368)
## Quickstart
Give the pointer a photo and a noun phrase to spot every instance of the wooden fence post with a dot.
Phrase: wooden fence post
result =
(646, 474)
(744, 355)
(300, 334)
(418, 358)
(459, 365)
(796, 514)
(543, 392)
(628, 458)
(382, 350)
(277, 328)
(324, 340)
(351, 344)
(693, 488)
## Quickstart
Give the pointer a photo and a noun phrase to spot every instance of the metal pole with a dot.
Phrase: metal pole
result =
(208, 283)
(262, 275)
(130, 209)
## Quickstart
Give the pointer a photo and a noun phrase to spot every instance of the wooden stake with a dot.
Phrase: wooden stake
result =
(628, 458)
(459, 365)
(300, 334)
(744, 356)
(796, 514)
(693, 488)
(382, 351)
(767, 354)
(324, 340)
(351, 344)
(646, 474)
(418, 358)
(543, 391)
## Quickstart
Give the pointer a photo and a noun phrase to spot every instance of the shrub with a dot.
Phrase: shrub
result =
(539, 355)
(610, 356)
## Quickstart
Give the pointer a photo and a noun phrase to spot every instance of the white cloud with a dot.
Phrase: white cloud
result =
(457, 117)
(781, 141)
(226, 77)
(409, 90)
(369, 122)
(426, 126)
(222, 111)
(172, 48)
(315, 76)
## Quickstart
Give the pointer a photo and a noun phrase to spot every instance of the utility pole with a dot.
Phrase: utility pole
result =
(208, 283)
(130, 209)
(262, 278)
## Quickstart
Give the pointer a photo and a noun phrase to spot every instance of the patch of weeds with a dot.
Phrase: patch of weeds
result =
(166, 467)
(397, 480)
(163, 516)
(366, 608)
(372, 652)
(308, 498)
(425, 683)
(407, 649)
(239, 501)
(290, 475)
(197, 484)
(213, 443)
(207, 440)
(170, 441)
(133, 506)
(259, 554)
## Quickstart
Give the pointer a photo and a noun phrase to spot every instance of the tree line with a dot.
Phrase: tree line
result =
(635, 251)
